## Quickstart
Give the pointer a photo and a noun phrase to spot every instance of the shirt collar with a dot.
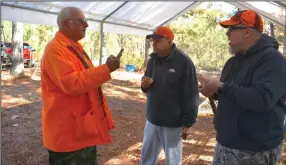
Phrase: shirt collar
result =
(65, 41)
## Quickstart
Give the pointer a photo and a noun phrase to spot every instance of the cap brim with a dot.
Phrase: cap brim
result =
(154, 36)
(228, 23)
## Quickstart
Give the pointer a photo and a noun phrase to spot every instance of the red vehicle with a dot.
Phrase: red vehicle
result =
(6, 60)
(27, 53)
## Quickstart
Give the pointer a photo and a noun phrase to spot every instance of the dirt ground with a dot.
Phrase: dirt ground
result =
(21, 124)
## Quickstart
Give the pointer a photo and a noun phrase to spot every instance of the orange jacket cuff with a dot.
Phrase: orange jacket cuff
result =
(105, 72)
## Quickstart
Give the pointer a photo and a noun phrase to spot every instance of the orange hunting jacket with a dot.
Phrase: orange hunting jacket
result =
(72, 115)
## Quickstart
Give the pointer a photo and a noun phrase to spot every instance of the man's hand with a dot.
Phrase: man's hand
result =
(186, 131)
(208, 85)
(113, 63)
(146, 82)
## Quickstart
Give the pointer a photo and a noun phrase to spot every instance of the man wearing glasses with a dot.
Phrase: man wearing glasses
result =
(250, 113)
(75, 115)
(172, 99)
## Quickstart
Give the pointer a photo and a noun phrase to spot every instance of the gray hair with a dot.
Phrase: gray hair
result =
(65, 13)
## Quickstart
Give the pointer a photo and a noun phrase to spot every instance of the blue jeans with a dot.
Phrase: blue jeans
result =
(156, 138)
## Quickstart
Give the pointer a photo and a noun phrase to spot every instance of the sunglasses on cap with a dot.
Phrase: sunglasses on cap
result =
(80, 20)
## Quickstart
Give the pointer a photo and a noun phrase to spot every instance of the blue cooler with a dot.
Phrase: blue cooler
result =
(130, 68)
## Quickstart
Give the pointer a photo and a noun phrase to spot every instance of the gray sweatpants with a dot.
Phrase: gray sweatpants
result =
(156, 138)
(228, 156)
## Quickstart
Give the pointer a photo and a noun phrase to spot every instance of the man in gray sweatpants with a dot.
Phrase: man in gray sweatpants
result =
(171, 86)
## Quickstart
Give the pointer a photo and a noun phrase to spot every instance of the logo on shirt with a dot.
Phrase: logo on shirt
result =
(172, 70)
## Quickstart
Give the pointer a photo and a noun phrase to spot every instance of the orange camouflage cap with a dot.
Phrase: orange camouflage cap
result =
(248, 18)
(162, 32)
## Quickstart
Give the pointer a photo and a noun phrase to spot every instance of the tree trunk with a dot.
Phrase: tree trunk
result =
(147, 51)
(17, 48)
(271, 30)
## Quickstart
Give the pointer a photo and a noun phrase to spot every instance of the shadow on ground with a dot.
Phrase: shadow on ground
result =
(22, 136)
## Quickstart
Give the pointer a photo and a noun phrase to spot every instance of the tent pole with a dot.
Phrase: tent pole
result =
(102, 33)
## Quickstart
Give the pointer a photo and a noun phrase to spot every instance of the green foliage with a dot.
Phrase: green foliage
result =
(200, 36)
(278, 32)
(36, 35)
(91, 44)
(197, 34)
(39, 35)
(133, 48)
(7, 30)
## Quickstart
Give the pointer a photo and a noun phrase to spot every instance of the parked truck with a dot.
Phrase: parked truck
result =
(28, 54)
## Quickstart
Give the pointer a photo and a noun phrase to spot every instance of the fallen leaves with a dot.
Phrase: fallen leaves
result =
(22, 135)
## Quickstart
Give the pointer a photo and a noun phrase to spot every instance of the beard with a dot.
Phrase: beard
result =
(233, 50)
(158, 50)
(230, 50)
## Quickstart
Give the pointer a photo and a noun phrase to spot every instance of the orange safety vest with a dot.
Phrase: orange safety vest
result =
(73, 116)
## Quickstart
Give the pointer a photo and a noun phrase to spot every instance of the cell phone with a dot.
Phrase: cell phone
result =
(120, 53)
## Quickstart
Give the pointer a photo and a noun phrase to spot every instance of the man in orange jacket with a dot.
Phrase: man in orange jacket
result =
(75, 115)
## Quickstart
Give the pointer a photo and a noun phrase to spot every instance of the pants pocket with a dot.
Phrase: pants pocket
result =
(86, 126)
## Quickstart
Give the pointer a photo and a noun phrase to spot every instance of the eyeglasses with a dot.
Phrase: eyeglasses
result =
(81, 20)
(159, 39)
(230, 29)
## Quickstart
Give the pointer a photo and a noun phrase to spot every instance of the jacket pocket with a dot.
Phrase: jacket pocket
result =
(86, 125)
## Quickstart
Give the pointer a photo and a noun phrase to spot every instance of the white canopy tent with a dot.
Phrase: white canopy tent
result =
(126, 17)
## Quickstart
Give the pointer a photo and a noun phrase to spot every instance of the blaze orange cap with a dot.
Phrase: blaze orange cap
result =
(162, 32)
(248, 18)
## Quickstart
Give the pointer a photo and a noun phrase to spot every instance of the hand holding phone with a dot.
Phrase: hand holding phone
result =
(113, 63)
(120, 53)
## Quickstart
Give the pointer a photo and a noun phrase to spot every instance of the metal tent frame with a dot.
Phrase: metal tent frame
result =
(50, 16)
(104, 21)
(194, 4)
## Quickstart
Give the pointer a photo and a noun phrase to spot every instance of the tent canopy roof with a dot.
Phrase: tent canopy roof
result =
(126, 17)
